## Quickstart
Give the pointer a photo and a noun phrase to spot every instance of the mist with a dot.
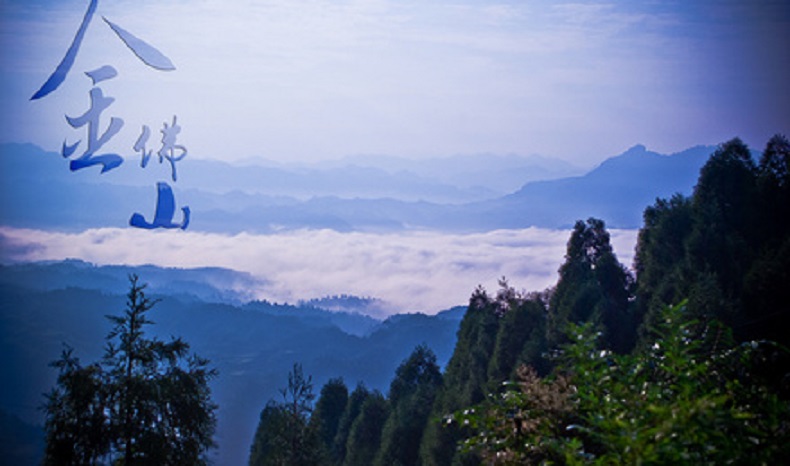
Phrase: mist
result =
(425, 271)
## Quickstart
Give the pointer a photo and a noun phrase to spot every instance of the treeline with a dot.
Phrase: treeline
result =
(684, 362)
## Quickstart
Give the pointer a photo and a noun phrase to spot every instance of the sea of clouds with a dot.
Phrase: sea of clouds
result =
(424, 271)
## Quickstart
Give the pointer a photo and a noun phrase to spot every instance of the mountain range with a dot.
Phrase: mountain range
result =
(38, 191)
(253, 344)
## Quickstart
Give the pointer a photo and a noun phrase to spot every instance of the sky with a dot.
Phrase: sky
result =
(316, 80)
(313, 80)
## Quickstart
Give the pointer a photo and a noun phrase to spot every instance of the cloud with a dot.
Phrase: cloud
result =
(416, 271)
(14, 248)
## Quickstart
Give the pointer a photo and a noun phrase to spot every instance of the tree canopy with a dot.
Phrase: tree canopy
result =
(673, 402)
(411, 396)
(146, 402)
(285, 435)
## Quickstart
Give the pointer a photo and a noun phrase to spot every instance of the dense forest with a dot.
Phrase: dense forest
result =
(683, 360)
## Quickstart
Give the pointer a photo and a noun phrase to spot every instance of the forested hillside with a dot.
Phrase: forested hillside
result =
(682, 361)
(253, 345)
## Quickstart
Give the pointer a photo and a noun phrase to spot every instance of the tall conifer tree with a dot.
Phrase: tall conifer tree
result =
(146, 402)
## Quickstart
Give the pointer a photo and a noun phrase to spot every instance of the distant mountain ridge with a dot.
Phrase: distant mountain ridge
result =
(351, 314)
(456, 179)
(43, 305)
(39, 192)
(618, 191)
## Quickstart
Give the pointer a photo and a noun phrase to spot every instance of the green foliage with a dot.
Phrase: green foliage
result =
(268, 446)
(298, 395)
(679, 401)
(687, 395)
(77, 426)
(351, 412)
(593, 286)
(765, 286)
(467, 370)
(774, 166)
(521, 338)
(465, 378)
(722, 242)
(285, 435)
(146, 402)
(774, 189)
(660, 262)
(726, 248)
(411, 397)
(328, 410)
(364, 439)
(521, 425)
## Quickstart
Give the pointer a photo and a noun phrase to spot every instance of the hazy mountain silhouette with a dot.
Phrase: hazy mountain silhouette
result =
(616, 191)
(38, 191)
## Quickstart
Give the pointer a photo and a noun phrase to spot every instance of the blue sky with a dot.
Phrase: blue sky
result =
(313, 80)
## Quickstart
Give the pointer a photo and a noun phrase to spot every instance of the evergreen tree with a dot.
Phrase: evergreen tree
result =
(521, 338)
(350, 414)
(411, 397)
(593, 286)
(722, 243)
(269, 445)
(467, 370)
(329, 409)
(465, 380)
(687, 393)
(674, 401)
(147, 402)
(662, 269)
(285, 435)
(364, 439)
(765, 287)
(773, 174)
(726, 248)
(77, 425)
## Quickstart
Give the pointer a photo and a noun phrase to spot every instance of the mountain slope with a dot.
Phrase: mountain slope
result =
(253, 345)
(617, 191)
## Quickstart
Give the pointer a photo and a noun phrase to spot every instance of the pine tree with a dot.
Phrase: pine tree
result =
(593, 286)
(725, 248)
(411, 396)
(269, 445)
(285, 435)
(521, 339)
(722, 243)
(77, 425)
(663, 271)
(146, 402)
(328, 410)
(364, 439)
(350, 414)
(465, 380)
